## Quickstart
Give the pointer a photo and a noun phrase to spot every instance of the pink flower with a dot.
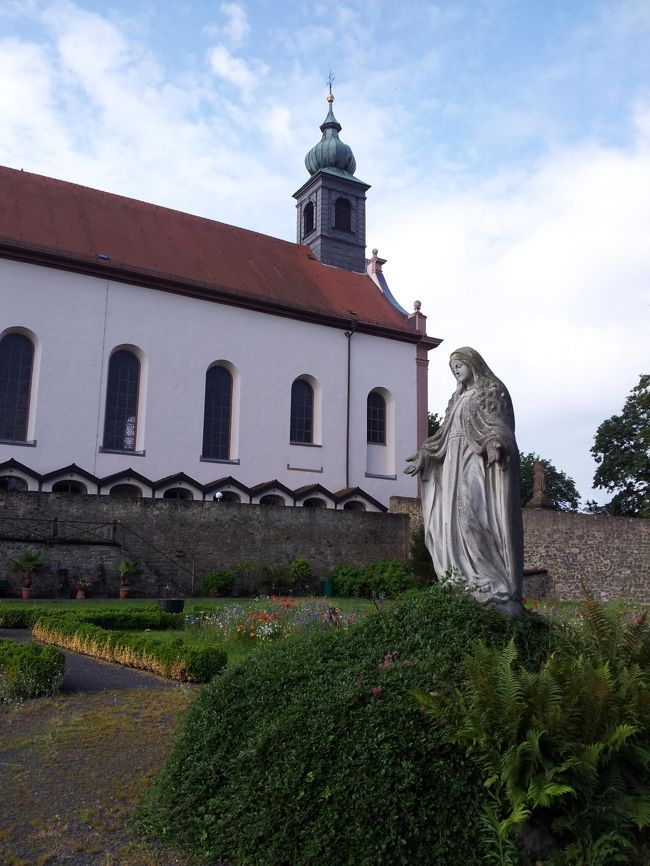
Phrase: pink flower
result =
(376, 692)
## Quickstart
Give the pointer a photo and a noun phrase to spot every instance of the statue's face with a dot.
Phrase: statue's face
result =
(461, 371)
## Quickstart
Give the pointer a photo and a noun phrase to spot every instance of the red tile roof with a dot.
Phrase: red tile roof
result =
(68, 225)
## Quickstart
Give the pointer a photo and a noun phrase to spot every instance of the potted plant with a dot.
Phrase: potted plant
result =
(27, 564)
(81, 585)
(129, 570)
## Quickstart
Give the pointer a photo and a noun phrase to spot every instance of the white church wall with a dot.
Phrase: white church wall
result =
(78, 321)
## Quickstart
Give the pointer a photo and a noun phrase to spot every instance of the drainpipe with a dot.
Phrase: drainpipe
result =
(348, 334)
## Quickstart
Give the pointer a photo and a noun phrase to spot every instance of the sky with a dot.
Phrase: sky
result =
(507, 144)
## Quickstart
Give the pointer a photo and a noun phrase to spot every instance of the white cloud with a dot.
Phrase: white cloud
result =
(241, 74)
(237, 28)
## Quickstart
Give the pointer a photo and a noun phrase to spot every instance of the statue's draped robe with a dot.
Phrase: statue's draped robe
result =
(471, 511)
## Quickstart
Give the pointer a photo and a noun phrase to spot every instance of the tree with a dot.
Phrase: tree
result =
(434, 423)
(622, 448)
(560, 489)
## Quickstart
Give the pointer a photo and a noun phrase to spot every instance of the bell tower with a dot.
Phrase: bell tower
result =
(331, 205)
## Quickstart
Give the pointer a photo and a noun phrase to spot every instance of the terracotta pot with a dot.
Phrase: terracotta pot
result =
(81, 592)
(27, 592)
(124, 592)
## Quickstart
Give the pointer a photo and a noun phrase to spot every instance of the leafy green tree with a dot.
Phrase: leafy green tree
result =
(622, 448)
(434, 422)
(560, 489)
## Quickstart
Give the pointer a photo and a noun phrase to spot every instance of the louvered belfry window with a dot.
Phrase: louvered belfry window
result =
(121, 420)
(216, 417)
(343, 214)
(16, 362)
(308, 219)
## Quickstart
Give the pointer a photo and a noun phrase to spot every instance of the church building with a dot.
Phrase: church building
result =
(150, 353)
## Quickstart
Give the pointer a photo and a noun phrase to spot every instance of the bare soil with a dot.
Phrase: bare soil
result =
(72, 769)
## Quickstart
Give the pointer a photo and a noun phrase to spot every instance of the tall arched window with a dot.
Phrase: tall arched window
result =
(308, 219)
(121, 419)
(343, 214)
(216, 417)
(16, 362)
(376, 419)
(302, 412)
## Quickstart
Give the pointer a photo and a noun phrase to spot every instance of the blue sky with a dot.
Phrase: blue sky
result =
(507, 143)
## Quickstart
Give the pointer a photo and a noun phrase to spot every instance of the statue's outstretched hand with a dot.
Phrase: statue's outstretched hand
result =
(417, 461)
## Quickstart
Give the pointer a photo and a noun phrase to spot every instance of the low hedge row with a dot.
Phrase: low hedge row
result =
(29, 670)
(22, 616)
(172, 659)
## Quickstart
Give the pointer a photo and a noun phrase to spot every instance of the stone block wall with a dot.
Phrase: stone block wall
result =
(190, 538)
(610, 554)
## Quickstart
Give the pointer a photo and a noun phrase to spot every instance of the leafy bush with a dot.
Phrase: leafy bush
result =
(301, 569)
(420, 563)
(217, 583)
(386, 577)
(314, 751)
(28, 670)
(565, 749)
(134, 649)
(21, 616)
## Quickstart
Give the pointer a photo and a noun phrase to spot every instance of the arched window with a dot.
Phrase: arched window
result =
(69, 486)
(126, 491)
(343, 214)
(229, 497)
(216, 417)
(121, 419)
(308, 219)
(272, 500)
(12, 484)
(376, 419)
(354, 505)
(177, 493)
(314, 502)
(302, 412)
(16, 362)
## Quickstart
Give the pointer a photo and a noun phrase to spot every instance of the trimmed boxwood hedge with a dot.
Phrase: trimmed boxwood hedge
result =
(28, 670)
(314, 751)
(169, 659)
(22, 616)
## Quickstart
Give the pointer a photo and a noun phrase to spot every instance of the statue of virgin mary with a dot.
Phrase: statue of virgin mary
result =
(470, 487)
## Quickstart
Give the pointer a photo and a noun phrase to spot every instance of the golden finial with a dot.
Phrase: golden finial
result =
(330, 81)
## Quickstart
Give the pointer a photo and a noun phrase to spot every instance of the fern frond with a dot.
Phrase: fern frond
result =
(597, 626)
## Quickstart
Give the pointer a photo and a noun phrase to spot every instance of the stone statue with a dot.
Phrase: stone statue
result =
(470, 487)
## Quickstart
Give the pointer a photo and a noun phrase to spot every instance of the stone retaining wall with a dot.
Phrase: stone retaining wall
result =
(610, 554)
(192, 537)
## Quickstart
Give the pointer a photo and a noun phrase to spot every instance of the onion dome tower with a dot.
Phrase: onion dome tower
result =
(331, 205)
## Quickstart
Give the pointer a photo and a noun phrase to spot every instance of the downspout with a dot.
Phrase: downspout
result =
(348, 334)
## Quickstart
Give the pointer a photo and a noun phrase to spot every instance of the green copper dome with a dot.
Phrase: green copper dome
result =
(330, 154)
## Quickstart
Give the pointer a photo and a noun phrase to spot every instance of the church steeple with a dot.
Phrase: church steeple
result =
(332, 203)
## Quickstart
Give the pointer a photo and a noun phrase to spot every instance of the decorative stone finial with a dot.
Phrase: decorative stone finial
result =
(417, 305)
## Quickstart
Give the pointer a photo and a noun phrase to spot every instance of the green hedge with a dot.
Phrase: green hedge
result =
(28, 670)
(314, 751)
(24, 616)
(170, 659)
(386, 577)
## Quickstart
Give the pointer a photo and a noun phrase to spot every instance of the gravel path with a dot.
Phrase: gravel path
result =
(86, 674)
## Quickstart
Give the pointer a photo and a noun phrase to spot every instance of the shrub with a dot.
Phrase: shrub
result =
(21, 616)
(134, 649)
(386, 577)
(301, 569)
(564, 749)
(314, 751)
(217, 583)
(28, 670)
(420, 563)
